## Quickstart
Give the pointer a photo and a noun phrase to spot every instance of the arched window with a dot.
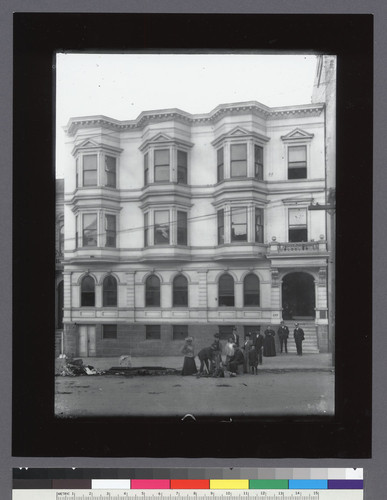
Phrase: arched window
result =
(88, 292)
(226, 290)
(180, 291)
(109, 292)
(152, 291)
(251, 290)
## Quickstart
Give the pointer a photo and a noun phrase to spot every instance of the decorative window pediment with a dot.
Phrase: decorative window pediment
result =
(239, 132)
(89, 145)
(164, 140)
(296, 135)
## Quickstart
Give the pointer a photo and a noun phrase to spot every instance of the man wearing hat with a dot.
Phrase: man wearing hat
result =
(298, 338)
(283, 334)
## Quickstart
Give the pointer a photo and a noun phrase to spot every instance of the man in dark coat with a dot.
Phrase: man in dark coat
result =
(258, 344)
(298, 338)
(283, 334)
(205, 357)
(236, 360)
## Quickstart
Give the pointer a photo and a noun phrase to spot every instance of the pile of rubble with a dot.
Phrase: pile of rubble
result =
(70, 367)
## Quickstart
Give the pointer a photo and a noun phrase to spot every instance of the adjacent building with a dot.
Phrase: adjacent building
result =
(178, 224)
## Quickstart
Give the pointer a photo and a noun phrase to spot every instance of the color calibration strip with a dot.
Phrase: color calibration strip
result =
(189, 479)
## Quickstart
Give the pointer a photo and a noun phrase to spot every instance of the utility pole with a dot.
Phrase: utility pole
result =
(330, 209)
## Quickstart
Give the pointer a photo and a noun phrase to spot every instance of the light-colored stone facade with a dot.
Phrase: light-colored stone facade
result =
(155, 197)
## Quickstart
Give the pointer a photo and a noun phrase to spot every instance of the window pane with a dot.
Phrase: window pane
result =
(251, 290)
(162, 157)
(226, 290)
(180, 332)
(258, 165)
(220, 227)
(297, 173)
(182, 159)
(161, 229)
(239, 152)
(110, 231)
(298, 234)
(87, 292)
(146, 230)
(110, 168)
(182, 228)
(297, 154)
(239, 224)
(180, 291)
(297, 217)
(90, 230)
(146, 170)
(152, 291)
(109, 291)
(152, 332)
(238, 169)
(258, 225)
(90, 170)
(220, 164)
(162, 173)
(109, 331)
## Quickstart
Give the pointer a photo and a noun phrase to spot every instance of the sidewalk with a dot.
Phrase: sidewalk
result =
(285, 362)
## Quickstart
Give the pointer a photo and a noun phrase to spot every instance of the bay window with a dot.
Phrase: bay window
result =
(89, 230)
(239, 224)
(161, 227)
(161, 165)
(90, 170)
(110, 169)
(238, 164)
(182, 174)
(110, 229)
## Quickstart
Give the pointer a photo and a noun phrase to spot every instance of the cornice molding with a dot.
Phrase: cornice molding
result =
(174, 114)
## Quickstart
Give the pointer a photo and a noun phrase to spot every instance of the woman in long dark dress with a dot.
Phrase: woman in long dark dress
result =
(189, 365)
(269, 343)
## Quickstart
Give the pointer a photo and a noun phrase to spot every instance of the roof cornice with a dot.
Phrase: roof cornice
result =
(155, 116)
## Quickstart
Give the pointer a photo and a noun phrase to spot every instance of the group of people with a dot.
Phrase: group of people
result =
(238, 358)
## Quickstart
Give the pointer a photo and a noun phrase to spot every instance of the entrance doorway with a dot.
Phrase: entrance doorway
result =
(298, 296)
(87, 341)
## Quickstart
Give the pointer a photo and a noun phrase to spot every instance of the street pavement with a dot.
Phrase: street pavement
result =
(286, 385)
(320, 362)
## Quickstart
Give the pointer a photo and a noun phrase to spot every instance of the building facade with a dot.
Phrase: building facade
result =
(178, 224)
(59, 249)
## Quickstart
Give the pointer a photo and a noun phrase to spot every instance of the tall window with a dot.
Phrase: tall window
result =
(180, 291)
(258, 225)
(226, 290)
(77, 173)
(298, 230)
(182, 175)
(87, 292)
(182, 228)
(297, 162)
(161, 227)
(238, 160)
(152, 332)
(220, 164)
(251, 290)
(76, 232)
(225, 331)
(220, 227)
(59, 314)
(109, 292)
(180, 332)
(90, 177)
(258, 162)
(110, 227)
(161, 162)
(109, 332)
(146, 169)
(110, 169)
(239, 224)
(146, 230)
(152, 291)
(90, 230)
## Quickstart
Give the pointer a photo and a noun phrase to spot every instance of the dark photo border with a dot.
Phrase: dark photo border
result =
(36, 431)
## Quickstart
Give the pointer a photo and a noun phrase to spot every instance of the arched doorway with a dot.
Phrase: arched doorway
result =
(298, 296)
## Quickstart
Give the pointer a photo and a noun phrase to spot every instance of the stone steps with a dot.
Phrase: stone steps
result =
(310, 344)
